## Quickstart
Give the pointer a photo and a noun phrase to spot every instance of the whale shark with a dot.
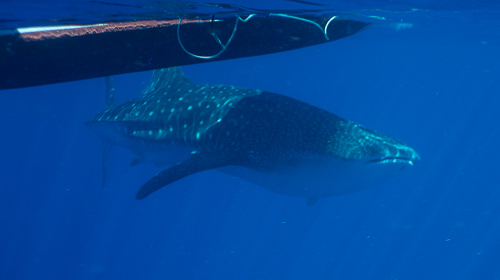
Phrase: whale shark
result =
(271, 140)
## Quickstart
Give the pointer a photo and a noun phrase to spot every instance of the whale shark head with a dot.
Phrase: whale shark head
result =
(315, 153)
(372, 148)
(274, 141)
(370, 157)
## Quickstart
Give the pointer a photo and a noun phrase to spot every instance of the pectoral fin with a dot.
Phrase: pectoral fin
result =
(195, 163)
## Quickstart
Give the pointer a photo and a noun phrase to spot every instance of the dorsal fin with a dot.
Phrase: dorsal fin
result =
(166, 78)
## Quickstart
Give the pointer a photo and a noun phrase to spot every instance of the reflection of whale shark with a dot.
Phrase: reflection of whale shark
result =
(274, 141)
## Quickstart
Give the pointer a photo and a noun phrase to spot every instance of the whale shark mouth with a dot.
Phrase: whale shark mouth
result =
(394, 159)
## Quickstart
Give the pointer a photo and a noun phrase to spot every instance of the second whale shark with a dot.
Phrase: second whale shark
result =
(274, 141)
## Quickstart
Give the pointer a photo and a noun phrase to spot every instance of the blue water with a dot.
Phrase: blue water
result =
(434, 86)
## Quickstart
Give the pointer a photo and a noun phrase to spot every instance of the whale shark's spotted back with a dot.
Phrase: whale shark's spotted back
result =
(174, 109)
(275, 141)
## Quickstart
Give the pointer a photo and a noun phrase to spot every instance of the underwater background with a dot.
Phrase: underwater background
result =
(426, 73)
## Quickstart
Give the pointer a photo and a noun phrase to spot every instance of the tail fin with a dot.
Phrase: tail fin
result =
(110, 92)
(106, 147)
